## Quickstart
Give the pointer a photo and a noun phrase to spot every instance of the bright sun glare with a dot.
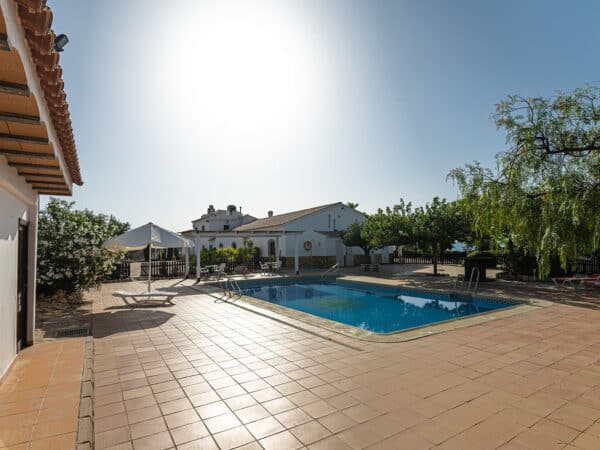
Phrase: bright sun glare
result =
(242, 72)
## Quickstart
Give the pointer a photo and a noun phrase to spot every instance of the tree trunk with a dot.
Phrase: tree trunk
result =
(435, 264)
(367, 255)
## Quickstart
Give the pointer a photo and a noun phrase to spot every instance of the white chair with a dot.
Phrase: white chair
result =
(264, 267)
(203, 271)
(276, 266)
(220, 270)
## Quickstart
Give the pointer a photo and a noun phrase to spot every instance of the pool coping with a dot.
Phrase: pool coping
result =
(521, 306)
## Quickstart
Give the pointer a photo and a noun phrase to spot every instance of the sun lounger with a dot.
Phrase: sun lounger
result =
(574, 281)
(165, 297)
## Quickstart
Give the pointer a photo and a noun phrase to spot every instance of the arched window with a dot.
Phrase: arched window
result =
(271, 247)
(202, 227)
(221, 245)
(233, 245)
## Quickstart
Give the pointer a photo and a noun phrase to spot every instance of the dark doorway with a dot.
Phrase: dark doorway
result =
(271, 248)
(22, 285)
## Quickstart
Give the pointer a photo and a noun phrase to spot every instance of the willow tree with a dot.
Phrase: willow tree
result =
(544, 193)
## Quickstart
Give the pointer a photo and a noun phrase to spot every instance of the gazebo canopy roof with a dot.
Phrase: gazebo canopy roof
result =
(149, 234)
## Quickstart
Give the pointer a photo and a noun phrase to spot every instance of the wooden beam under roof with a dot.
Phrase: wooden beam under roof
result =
(4, 45)
(20, 118)
(55, 194)
(30, 177)
(25, 139)
(14, 88)
(26, 154)
(58, 183)
(20, 165)
(54, 191)
(50, 187)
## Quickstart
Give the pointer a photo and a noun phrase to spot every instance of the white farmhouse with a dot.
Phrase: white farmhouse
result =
(222, 219)
(305, 238)
(37, 156)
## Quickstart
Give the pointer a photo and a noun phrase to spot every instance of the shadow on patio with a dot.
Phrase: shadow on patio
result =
(128, 318)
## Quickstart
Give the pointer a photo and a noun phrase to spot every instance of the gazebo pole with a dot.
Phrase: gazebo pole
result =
(198, 254)
(149, 267)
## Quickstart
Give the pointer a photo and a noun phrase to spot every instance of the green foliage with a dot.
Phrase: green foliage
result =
(433, 228)
(438, 225)
(353, 237)
(544, 195)
(230, 255)
(352, 205)
(392, 227)
(70, 253)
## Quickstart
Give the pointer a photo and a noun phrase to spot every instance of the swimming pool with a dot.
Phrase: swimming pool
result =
(375, 308)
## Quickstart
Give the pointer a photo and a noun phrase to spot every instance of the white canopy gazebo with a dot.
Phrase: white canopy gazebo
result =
(152, 236)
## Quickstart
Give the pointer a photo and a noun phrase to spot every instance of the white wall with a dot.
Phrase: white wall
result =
(216, 221)
(339, 215)
(17, 201)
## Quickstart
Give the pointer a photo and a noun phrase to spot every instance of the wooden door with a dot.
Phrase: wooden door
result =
(22, 285)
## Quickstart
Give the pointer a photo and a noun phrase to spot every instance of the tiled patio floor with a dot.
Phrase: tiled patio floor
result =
(206, 374)
(39, 398)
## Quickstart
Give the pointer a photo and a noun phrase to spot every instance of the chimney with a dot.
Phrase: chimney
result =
(270, 213)
(211, 209)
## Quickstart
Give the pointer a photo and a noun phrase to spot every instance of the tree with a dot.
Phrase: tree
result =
(352, 205)
(353, 237)
(437, 226)
(544, 195)
(391, 227)
(70, 252)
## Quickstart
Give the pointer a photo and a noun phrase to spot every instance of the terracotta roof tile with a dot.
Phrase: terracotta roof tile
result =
(36, 19)
(280, 219)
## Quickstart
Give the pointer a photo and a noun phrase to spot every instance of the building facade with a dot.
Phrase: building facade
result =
(222, 219)
(306, 238)
(37, 156)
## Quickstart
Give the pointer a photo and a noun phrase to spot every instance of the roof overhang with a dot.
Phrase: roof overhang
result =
(238, 234)
(36, 137)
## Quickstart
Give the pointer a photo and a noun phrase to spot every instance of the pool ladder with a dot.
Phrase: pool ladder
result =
(459, 283)
(231, 287)
(331, 269)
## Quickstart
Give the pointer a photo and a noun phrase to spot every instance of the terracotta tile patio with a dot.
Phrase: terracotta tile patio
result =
(39, 397)
(207, 374)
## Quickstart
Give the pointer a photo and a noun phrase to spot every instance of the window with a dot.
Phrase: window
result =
(233, 245)
(333, 224)
(329, 220)
(202, 227)
(225, 227)
(221, 245)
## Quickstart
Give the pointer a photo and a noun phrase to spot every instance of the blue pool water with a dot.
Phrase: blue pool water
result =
(375, 308)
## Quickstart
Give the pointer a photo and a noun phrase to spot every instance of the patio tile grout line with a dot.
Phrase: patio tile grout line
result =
(276, 319)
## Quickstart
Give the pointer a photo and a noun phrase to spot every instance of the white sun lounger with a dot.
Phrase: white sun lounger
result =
(167, 297)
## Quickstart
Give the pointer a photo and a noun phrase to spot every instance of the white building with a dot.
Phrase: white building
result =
(222, 219)
(37, 156)
(306, 238)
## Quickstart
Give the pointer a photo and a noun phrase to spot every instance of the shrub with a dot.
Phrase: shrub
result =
(71, 257)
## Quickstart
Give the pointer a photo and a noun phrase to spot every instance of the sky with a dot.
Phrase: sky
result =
(283, 105)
